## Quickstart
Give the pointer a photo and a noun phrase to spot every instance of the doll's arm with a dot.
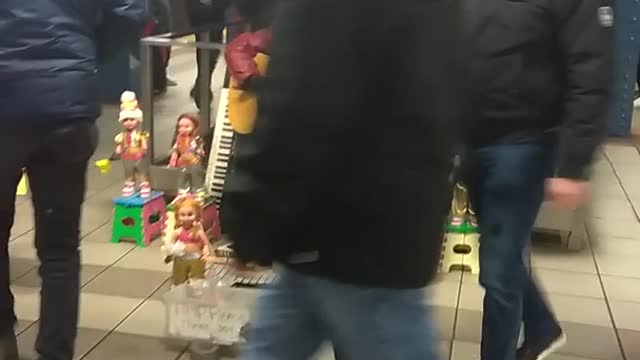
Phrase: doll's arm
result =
(144, 141)
(175, 248)
(118, 140)
(173, 159)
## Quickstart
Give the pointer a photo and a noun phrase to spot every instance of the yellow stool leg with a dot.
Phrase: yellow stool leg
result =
(472, 259)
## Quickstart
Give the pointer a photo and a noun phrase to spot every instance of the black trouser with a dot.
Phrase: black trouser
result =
(214, 36)
(56, 161)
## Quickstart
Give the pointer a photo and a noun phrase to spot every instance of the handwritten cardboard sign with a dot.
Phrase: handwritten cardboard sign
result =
(219, 323)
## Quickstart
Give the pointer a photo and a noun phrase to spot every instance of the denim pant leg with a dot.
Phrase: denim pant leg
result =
(376, 324)
(285, 325)
(506, 184)
(17, 144)
(57, 175)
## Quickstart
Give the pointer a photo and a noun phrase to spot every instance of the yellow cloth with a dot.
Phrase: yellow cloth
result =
(243, 105)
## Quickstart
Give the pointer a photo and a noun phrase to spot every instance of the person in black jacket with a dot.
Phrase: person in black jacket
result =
(344, 182)
(543, 76)
(49, 50)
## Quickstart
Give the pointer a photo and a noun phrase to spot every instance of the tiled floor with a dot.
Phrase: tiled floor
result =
(595, 292)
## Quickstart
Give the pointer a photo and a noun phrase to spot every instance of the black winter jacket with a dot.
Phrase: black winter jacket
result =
(542, 65)
(49, 54)
(346, 173)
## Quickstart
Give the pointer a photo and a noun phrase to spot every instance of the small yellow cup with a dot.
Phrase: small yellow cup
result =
(104, 165)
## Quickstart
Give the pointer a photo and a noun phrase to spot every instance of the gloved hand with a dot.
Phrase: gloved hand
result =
(254, 84)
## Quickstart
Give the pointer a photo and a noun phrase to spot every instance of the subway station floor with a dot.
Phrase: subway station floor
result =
(595, 292)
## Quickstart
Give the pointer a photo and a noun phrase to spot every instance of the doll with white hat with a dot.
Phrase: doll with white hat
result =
(132, 145)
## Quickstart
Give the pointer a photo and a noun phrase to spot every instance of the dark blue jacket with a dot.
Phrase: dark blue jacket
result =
(49, 51)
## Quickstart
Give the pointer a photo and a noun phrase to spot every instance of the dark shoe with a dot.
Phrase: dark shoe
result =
(540, 348)
(195, 95)
(8, 347)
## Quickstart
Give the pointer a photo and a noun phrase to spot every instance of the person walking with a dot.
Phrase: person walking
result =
(344, 184)
(543, 77)
(48, 106)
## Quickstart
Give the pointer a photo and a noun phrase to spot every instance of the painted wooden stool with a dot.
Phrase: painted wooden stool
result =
(461, 251)
(138, 219)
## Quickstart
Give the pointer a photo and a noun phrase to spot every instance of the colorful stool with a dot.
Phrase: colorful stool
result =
(138, 219)
(461, 251)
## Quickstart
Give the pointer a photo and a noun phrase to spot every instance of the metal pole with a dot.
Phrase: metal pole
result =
(205, 81)
(146, 87)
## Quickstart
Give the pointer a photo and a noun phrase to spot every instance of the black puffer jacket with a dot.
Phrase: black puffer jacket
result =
(540, 65)
(346, 173)
(49, 50)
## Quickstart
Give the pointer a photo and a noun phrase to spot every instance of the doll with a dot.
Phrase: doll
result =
(188, 153)
(189, 244)
(131, 146)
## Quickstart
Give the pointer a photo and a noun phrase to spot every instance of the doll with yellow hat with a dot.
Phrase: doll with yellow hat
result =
(132, 145)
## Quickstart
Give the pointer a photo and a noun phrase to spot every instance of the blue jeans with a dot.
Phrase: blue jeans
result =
(299, 312)
(506, 188)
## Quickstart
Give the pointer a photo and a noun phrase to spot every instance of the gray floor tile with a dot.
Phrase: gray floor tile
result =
(104, 254)
(569, 283)
(444, 318)
(622, 288)
(126, 282)
(469, 326)
(465, 351)
(148, 320)
(99, 235)
(163, 289)
(19, 267)
(556, 258)
(630, 343)
(105, 312)
(132, 347)
(580, 338)
(592, 342)
(85, 340)
(626, 314)
(32, 278)
(22, 325)
(588, 311)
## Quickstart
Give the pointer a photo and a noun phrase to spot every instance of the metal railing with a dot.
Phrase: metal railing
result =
(204, 81)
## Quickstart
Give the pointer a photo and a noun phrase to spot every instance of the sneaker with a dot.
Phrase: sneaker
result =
(636, 103)
(541, 348)
(145, 190)
(9, 347)
(128, 189)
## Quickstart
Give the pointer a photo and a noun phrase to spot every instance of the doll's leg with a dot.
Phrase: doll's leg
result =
(143, 172)
(197, 269)
(130, 177)
(183, 181)
(197, 178)
(180, 273)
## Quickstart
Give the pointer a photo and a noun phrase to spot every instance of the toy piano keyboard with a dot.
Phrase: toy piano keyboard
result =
(222, 271)
(225, 274)
(221, 148)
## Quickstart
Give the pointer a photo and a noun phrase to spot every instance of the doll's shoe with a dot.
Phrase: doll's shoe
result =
(128, 189)
(145, 190)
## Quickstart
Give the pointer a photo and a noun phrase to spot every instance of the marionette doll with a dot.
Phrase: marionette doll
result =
(132, 145)
(187, 154)
(189, 246)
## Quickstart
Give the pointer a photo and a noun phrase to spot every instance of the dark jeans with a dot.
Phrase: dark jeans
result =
(56, 161)
(216, 37)
(506, 186)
